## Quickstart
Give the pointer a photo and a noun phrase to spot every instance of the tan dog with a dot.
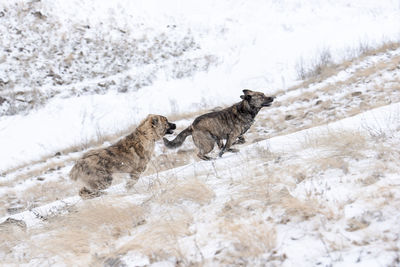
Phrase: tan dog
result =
(130, 155)
(229, 124)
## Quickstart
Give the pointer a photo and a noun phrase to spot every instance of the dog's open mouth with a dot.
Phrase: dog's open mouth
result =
(171, 128)
(268, 101)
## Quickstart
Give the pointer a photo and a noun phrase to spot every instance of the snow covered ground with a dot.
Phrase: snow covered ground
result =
(328, 196)
(316, 184)
(65, 65)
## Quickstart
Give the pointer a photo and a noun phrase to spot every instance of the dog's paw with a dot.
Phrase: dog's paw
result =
(240, 140)
(204, 157)
(86, 193)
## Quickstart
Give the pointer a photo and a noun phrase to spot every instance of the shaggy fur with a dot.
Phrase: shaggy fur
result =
(229, 124)
(130, 155)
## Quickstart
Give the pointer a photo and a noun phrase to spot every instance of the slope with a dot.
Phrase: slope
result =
(326, 195)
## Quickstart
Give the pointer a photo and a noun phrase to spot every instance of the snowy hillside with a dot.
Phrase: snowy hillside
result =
(74, 71)
(324, 196)
(316, 184)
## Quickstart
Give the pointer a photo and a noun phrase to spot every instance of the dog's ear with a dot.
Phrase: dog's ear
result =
(245, 97)
(247, 92)
(154, 121)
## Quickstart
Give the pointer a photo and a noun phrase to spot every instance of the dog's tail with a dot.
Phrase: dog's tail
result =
(179, 139)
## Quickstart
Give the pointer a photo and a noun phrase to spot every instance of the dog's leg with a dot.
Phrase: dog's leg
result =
(240, 140)
(99, 180)
(134, 178)
(204, 157)
(204, 142)
(220, 144)
(228, 144)
(86, 193)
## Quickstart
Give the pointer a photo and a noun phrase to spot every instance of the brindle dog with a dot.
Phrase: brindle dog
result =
(130, 155)
(229, 124)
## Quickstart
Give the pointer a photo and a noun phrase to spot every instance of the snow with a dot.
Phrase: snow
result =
(257, 44)
(334, 186)
(341, 213)
(287, 144)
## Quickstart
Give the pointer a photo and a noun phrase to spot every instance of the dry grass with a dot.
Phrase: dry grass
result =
(95, 142)
(323, 67)
(177, 191)
(334, 149)
(88, 231)
(362, 74)
(303, 97)
(159, 240)
(11, 235)
(48, 192)
(321, 64)
(299, 210)
(339, 143)
(252, 237)
(169, 160)
(346, 98)
(356, 224)
(99, 140)
(111, 228)
(45, 164)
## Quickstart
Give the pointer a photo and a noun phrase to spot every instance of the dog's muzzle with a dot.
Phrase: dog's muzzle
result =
(268, 101)
(171, 128)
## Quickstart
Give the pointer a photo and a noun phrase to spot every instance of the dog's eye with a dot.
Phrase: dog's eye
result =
(154, 121)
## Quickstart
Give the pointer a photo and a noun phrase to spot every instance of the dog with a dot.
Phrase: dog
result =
(227, 124)
(129, 155)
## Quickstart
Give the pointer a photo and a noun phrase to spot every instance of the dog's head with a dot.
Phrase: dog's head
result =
(161, 125)
(257, 99)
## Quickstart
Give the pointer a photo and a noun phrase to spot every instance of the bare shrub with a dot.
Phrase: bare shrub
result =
(320, 64)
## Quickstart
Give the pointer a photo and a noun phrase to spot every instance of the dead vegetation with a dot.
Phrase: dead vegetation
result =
(86, 231)
(324, 67)
(175, 191)
(159, 240)
(256, 203)
(319, 100)
(252, 237)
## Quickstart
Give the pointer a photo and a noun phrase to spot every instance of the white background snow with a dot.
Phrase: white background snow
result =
(256, 45)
